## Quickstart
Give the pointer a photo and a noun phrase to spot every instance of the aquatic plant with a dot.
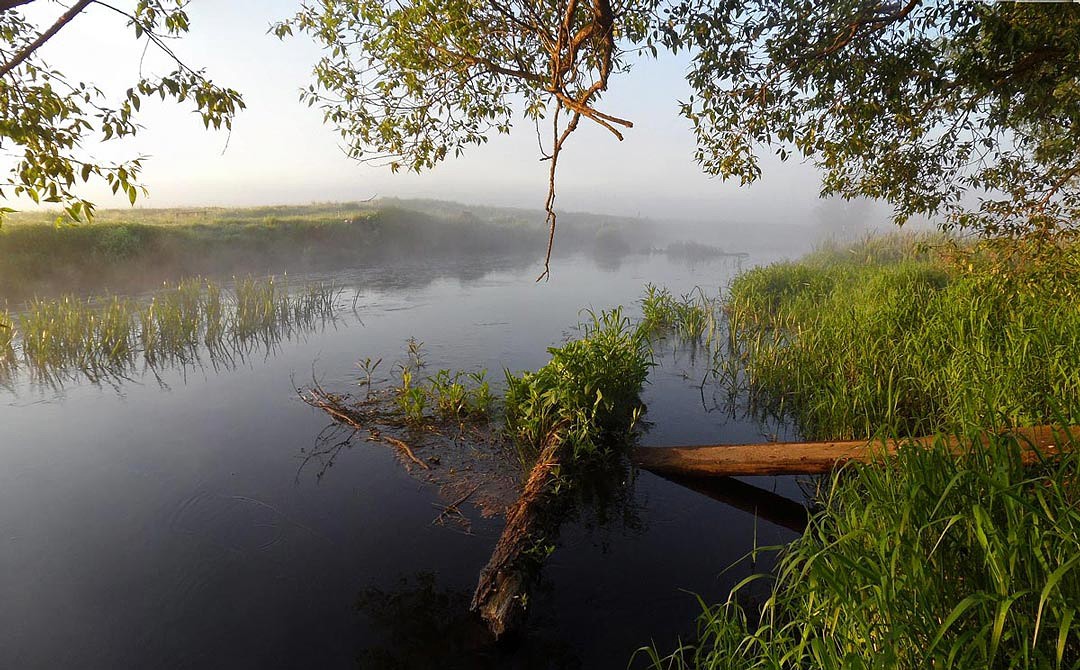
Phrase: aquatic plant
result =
(587, 394)
(932, 560)
(692, 316)
(455, 400)
(108, 338)
(368, 367)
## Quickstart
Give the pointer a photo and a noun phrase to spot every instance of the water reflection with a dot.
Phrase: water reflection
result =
(421, 624)
(182, 327)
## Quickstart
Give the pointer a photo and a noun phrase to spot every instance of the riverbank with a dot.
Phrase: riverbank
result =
(126, 251)
(932, 560)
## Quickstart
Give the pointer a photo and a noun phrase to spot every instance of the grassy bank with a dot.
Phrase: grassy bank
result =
(932, 560)
(892, 336)
(138, 249)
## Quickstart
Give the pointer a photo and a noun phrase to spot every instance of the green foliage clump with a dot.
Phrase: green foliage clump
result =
(587, 394)
(915, 345)
(930, 560)
(446, 396)
(690, 316)
(119, 242)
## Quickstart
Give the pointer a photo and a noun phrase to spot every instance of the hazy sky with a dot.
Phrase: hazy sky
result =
(280, 152)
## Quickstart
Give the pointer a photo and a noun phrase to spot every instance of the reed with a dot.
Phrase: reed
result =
(108, 338)
(919, 346)
(693, 316)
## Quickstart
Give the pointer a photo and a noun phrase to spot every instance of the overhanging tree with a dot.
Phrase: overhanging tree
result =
(966, 112)
(411, 83)
(46, 118)
(963, 111)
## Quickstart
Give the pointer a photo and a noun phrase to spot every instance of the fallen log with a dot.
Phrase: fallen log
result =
(504, 582)
(811, 458)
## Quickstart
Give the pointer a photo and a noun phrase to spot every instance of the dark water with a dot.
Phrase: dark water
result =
(169, 525)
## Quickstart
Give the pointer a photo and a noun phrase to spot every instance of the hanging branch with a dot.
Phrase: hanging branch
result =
(565, 72)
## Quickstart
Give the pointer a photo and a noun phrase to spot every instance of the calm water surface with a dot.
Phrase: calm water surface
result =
(167, 523)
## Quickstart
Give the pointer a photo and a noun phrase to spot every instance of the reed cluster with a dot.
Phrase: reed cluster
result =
(913, 346)
(108, 338)
(692, 316)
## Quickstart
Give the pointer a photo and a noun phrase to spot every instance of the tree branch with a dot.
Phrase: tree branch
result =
(44, 37)
(5, 5)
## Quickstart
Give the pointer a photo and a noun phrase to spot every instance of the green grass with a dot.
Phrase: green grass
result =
(692, 316)
(108, 338)
(587, 395)
(848, 345)
(930, 561)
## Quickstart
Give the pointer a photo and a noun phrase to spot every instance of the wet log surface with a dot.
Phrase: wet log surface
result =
(808, 458)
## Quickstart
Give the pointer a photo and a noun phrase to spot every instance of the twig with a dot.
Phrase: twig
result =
(452, 508)
(405, 449)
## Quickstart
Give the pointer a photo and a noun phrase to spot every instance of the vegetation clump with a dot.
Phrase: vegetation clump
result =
(934, 558)
(692, 316)
(587, 393)
(883, 336)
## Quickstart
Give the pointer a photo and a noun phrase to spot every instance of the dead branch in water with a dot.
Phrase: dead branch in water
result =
(338, 407)
(452, 508)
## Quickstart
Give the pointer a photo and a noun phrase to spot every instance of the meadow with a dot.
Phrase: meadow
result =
(137, 249)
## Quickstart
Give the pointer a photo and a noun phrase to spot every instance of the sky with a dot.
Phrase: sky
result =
(280, 152)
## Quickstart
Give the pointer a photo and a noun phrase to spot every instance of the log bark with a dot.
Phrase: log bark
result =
(811, 458)
(504, 583)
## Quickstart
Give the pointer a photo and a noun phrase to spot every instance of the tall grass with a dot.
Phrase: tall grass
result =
(108, 338)
(692, 316)
(932, 559)
(929, 561)
(846, 348)
(7, 350)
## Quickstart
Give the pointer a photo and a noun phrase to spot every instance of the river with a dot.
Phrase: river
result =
(169, 521)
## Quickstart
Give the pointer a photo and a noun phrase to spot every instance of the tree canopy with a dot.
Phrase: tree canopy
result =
(966, 112)
(46, 117)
